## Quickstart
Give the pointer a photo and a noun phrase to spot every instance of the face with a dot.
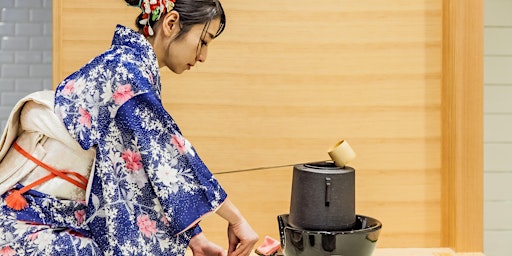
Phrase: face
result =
(182, 54)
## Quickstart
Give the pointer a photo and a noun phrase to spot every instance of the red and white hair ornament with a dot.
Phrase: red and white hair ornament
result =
(152, 10)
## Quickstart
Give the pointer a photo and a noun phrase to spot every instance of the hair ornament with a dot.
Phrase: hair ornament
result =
(152, 10)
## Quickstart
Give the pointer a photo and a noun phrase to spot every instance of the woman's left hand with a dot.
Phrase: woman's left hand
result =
(201, 246)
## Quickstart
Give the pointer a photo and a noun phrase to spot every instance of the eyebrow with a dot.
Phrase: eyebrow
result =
(210, 34)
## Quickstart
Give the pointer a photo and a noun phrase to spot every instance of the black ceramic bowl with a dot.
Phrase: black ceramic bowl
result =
(359, 241)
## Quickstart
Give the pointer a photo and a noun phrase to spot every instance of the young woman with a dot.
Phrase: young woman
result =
(148, 189)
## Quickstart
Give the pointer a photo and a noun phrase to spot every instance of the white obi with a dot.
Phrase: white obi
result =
(41, 134)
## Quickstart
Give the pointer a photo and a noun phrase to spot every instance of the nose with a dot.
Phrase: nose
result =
(201, 57)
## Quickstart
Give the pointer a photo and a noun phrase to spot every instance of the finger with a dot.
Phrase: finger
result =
(231, 248)
(243, 250)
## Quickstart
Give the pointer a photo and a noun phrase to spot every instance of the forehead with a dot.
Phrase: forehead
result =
(214, 26)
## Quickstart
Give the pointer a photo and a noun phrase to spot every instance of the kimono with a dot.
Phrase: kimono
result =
(148, 188)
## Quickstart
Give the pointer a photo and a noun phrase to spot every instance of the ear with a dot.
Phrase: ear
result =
(170, 23)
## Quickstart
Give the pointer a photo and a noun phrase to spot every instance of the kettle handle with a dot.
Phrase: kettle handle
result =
(328, 189)
(280, 223)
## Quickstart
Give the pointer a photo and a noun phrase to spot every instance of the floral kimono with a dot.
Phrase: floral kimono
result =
(148, 189)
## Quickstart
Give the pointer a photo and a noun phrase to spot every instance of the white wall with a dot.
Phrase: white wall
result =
(498, 127)
(25, 51)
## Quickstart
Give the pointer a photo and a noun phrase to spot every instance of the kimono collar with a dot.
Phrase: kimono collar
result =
(127, 37)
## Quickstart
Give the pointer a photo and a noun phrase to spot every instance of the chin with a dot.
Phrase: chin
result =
(176, 71)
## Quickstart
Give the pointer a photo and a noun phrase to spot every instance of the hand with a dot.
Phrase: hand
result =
(241, 236)
(242, 239)
(201, 246)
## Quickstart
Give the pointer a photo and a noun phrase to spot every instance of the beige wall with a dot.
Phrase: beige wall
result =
(286, 81)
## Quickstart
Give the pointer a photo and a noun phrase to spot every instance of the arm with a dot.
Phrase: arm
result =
(182, 185)
(201, 194)
(241, 236)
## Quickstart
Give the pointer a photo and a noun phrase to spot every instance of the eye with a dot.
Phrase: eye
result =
(204, 43)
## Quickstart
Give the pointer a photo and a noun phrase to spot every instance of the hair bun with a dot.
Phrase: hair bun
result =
(133, 2)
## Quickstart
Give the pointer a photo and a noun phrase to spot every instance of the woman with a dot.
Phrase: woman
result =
(148, 189)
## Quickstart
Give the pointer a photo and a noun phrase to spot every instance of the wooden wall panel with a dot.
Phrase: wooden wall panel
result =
(287, 80)
(463, 125)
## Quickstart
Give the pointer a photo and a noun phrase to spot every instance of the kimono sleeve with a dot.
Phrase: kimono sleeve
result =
(182, 184)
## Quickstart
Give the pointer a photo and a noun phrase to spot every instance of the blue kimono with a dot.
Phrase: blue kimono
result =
(149, 188)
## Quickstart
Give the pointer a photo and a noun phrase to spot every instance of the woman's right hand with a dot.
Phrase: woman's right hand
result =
(242, 239)
(241, 236)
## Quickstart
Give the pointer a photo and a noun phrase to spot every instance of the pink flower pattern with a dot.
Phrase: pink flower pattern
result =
(151, 78)
(122, 94)
(179, 143)
(132, 160)
(7, 251)
(79, 215)
(69, 87)
(146, 226)
(165, 220)
(85, 117)
(33, 236)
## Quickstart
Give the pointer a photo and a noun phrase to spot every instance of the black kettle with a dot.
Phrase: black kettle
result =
(323, 197)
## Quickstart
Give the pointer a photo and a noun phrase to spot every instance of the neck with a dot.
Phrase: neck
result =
(152, 40)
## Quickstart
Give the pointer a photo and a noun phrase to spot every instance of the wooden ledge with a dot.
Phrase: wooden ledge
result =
(421, 252)
(410, 252)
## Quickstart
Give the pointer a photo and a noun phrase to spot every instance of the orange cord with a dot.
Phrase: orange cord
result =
(15, 199)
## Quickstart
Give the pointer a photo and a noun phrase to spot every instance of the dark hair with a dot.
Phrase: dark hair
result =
(192, 12)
